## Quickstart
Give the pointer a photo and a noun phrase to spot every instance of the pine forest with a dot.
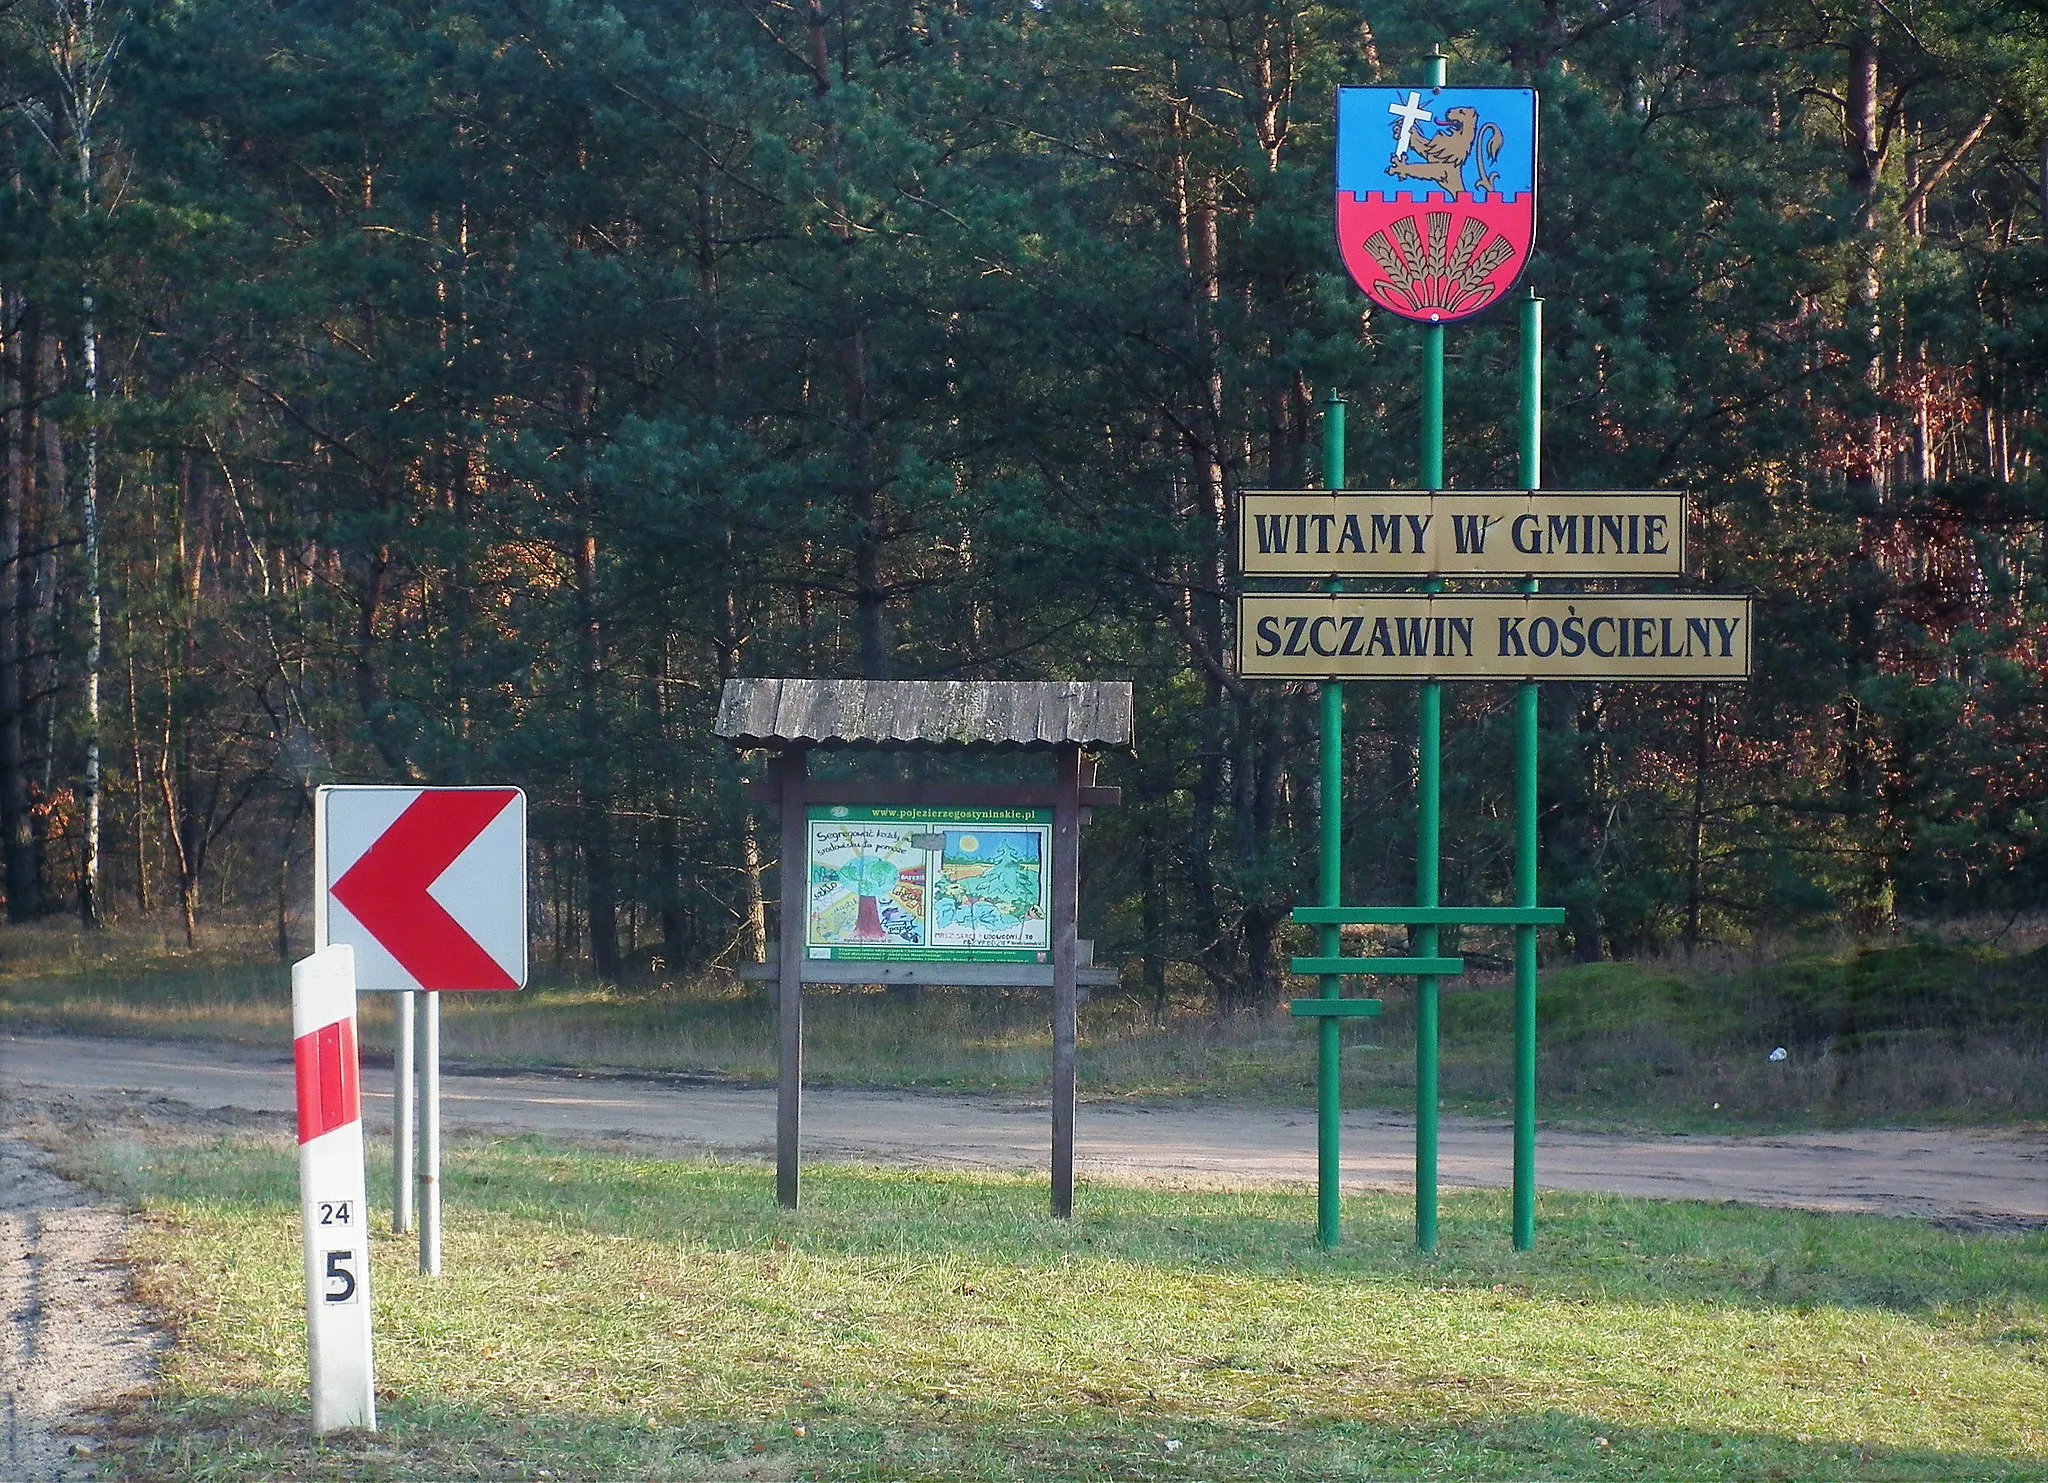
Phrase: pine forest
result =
(456, 392)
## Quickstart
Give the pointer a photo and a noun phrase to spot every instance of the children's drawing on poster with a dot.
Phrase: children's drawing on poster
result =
(931, 884)
(990, 890)
(867, 886)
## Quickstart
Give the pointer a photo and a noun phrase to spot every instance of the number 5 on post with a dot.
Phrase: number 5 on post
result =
(331, 1190)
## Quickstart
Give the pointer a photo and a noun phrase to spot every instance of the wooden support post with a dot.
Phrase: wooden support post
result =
(1066, 895)
(791, 767)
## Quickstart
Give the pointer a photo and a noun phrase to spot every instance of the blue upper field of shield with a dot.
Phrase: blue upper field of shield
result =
(1370, 124)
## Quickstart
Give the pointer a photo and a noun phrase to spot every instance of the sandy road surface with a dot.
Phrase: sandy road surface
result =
(70, 1339)
(1996, 1178)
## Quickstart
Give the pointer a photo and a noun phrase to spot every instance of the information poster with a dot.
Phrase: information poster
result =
(931, 885)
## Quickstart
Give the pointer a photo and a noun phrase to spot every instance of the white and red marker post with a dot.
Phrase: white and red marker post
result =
(333, 1214)
(429, 886)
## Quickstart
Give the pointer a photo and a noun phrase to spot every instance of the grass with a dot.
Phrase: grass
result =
(605, 1316)
(1919, 1032)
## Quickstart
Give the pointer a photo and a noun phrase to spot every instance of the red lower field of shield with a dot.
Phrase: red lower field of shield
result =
(1436, 259)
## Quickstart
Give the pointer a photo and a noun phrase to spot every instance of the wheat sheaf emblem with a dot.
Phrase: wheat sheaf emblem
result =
(1435, 274)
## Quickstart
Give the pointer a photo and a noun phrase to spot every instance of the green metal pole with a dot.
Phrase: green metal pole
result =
(1329, 1068)
(1525, 816)
(1428, 823)
(1429, 768)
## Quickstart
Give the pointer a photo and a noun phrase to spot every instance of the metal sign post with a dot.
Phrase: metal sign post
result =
(402, 1115)
(1525, 810)
(1429, 744)
(1435, 232)
(334, 1218)
(1329, 1033)
(428, 885)
(430, 1133)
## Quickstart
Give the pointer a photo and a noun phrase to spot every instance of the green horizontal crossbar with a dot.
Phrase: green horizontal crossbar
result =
(1333, 1009)
(1360, 967)
(1430, 916)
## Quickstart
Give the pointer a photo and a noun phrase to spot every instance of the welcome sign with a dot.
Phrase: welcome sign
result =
(1459, 637)
(1347, 533)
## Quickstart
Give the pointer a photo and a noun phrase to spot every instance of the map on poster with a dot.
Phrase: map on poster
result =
(930, 884)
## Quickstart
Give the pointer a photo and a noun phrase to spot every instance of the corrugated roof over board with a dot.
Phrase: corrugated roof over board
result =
(925, 713)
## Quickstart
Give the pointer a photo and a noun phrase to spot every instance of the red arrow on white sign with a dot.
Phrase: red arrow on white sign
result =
(428, 885)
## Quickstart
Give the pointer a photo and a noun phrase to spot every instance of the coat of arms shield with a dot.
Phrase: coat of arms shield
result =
(1436, 195)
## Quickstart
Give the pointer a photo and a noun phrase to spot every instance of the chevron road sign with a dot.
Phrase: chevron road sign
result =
(428, 885)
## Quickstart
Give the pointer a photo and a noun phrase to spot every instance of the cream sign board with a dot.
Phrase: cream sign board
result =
(1455, 637)
(1321, 533)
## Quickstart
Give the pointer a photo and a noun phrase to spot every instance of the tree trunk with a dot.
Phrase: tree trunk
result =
(285, 877)
(669, 795)
(864, 507)
(601, 895)
(1865, 163)
(1262, 747)
(89, 511)
(369, 686)
(141, 820)
(871, 598)
(174, 770)
(1702, 724)
(1152, 907)
(753, 946)
(1220, 948)
(754, 929)
(41, 674)
(95, 637)
(18, 394)
(1571, 827)
(601, 898)
(1865, 150)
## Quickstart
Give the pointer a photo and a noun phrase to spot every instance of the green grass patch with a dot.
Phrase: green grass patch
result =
(1920, 1032)
(1923, 1032)
(608, 1317)
(132, 981)
(1843, 1000)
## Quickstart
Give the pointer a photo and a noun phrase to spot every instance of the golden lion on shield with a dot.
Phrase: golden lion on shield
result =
(1445, 153)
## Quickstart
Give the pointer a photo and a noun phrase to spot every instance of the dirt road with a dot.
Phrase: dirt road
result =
(1995, 1178)
(71, 1340)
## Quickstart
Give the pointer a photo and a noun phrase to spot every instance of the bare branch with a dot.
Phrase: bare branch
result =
(1947, 163)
